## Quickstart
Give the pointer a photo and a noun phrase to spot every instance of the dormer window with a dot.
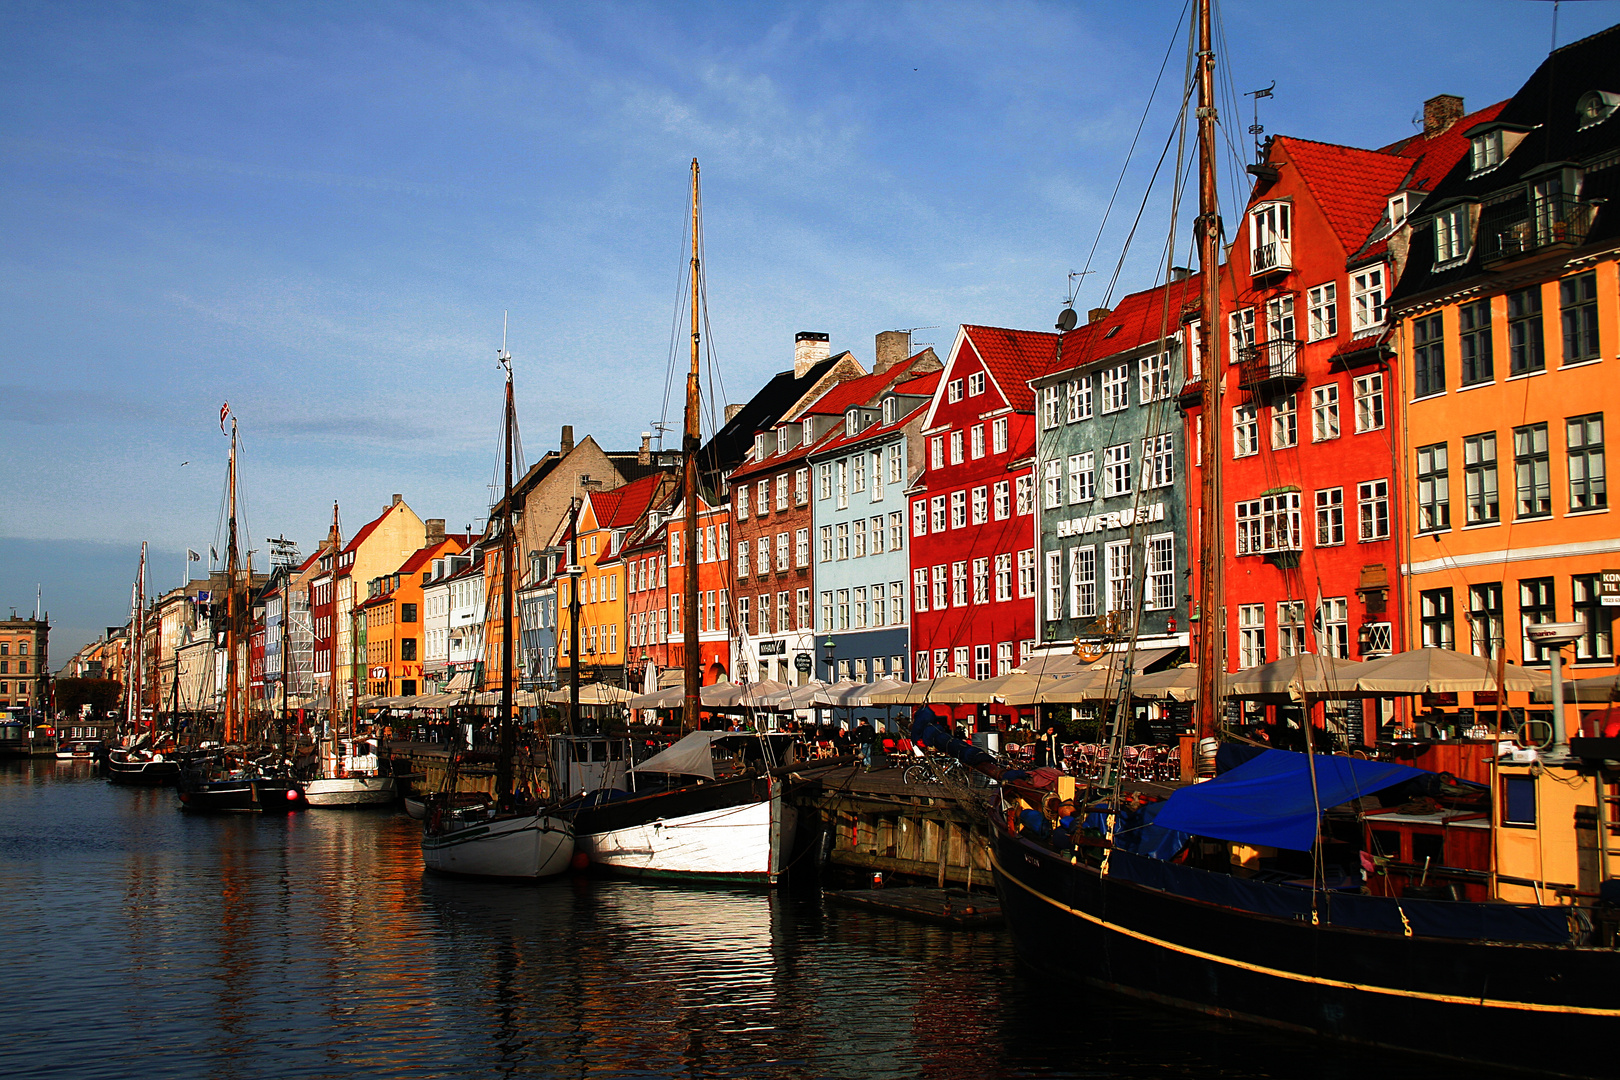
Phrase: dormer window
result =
(1270, 237)
(1452, 234)
(809, 430)
(1594, 107)
(891, 407)
(852, 422)
(759, 445)
(1485, 150)
(1398, 208)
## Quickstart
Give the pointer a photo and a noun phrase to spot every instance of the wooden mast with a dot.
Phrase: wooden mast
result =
(137, 653)
(334, 715)
(231, 704)
(689, 485)
(508, 736)
(1211, 632)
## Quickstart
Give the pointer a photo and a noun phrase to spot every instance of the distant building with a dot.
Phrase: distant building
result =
(25, 663)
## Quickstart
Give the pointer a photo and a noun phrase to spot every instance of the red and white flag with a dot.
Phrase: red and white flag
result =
(224, 411)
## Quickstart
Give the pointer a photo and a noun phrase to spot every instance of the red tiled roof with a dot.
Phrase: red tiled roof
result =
(921, 386)
(1014, 357)
(776, 461)
(623, 506)
(859, 391)
(871, 432)
(366, 530)
(1351, 186)
(1138, 319)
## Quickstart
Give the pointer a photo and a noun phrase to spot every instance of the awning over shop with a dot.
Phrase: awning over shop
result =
(1268, 800)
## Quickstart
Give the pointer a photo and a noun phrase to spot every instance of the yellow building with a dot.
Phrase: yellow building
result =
(378, 548)
(1508, 331)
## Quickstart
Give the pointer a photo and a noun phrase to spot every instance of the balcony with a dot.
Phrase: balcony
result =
(1270, 368)
(1274, 256)
(1521, 229)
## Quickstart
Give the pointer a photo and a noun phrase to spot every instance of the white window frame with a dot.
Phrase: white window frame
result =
(1082, 477)
(1367, 294)
(1083, 582)
(1325, 412)
(1323, 302)
(1116, 470)
(1116, 389)
(1368, 391)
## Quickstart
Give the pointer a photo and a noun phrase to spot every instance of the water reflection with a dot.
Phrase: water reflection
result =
(150, 943)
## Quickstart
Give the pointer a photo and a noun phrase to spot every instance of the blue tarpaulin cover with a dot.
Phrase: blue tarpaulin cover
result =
(1268, 800)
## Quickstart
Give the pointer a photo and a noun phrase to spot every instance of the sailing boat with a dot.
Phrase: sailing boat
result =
(711, 806)
(510, 837)
(140, 760)
(240, 778)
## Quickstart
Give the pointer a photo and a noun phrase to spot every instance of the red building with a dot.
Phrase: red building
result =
(646, 561)
(972, 513)
(1310, 414)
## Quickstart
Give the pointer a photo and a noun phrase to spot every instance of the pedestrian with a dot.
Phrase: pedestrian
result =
(864, 738)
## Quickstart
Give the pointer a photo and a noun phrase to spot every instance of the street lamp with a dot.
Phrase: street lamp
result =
(827, 648)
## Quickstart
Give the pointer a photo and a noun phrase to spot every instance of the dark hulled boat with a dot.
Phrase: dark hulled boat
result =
(240, 793)
(140, 767)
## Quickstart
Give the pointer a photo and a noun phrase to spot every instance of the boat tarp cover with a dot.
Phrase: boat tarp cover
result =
(1267, 801)
(690, 756)
(1428, 918)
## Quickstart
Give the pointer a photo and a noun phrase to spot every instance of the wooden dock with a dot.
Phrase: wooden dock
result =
(955, 908)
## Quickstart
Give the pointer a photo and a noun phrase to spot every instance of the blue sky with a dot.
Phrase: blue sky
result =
(320, 211)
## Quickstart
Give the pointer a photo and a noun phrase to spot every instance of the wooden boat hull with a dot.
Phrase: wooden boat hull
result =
(247, 796)
(737, 830)
(519, 847)
(350, 791)
(1547, 1009)
(416, 807)
(140, 772)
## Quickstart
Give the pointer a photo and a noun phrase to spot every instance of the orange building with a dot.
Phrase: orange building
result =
(1508, 319)
(393, 614)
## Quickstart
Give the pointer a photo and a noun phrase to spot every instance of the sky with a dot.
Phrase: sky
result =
(320, 212)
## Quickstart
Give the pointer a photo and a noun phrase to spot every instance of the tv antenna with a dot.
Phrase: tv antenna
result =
(1255, 129)
(659, 427)
(910, 330)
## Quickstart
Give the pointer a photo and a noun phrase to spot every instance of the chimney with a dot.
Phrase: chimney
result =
(1179, 273)
(435, 531)
(398, 498)
(1098, 314)
(1440, 112)
(732, 411)
(644, 455)
(893, 346)
(567, 444)
(809, 349)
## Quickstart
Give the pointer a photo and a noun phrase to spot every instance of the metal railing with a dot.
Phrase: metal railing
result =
(1519, 228)
(1268, 361)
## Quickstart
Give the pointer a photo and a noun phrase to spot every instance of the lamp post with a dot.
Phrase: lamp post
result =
(827, 648)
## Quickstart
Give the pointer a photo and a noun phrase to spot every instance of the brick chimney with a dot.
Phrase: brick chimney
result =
(732, 411)
(1440, 112)
(644, 455)
(893, 346)
(809, 349)
(567, 444)
(1098, 314)
(398, 498)
(435, 531)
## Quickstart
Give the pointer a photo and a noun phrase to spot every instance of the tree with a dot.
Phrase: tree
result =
(100, 694)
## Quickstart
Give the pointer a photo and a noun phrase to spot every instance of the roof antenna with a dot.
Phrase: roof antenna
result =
(1255, 128)
(909, 331)
(1067, 319)
(659, 427)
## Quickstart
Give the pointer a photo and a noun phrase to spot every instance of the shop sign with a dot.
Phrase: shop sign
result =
(1609, 588)
(803, 663)
(1118, 519)
(774, 647)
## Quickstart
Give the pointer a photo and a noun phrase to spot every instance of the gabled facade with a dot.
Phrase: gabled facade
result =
(1508, 328)
(646, 559)
(393, 610)
(377, 548)
(1111, 472)
(972, 513)
(712, 607)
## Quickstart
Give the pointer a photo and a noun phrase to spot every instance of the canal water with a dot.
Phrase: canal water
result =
(144, 942)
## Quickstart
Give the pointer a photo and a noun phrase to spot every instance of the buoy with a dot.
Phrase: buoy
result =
(292, 794)
(581, 860)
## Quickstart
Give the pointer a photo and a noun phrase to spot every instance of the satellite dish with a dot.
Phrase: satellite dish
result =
(1066, 319)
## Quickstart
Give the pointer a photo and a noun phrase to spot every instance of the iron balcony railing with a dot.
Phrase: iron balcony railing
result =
(1268, 362)
(1522, 227)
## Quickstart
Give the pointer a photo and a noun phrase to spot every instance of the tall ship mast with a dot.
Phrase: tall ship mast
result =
(691, 440)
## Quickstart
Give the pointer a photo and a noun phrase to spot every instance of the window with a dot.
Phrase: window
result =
(826, 534)
(1049, 407)
(976, 442)
(1485, 151)
(742, 502)
(1434, 618)
(762, 558)
(1428, 357)
(958, 509)
(1118, 553)
(1518, 796)
(762, 501)
(960, 655)
(941, 588)
(891, 409)
(936, 452)
(801, 487)
(858, 539)
(919, 518)
(1474, 350)
(1116, 388)
(941, 659)
(1240, 332)
(1535, 606)
(1578, 298)
(1026, 494)
(742, 614)
(981, 505)
(897, 530)
(782, 492)
(407, 612)
(877, 535)
(920, 665)
(959, 584)
(1479, 478)
(956, 448)
(919, 587)
(1433, 489)
(937, 505)
(1325, 412)
(1372, 509)
(824, 480)
(1245, 431)
(1079, 399)
(897, 464)
(1003, 495)
(953, 391)
(1082, 582)
(981, 661)
(1290, 628)
(1158, 461)
(1583, 435)
(801, 547)
(1269, 236)
(1054, 585)
(1117, 470)
(1004, 576)
(1285, 422)
(1082, 477)
(1280, 318)
(1053, 484)
(841, 531)
(1154, 376)
(1267, 524)
(1369, 395)
(998, 435)
(1451, 234)
(843, 609)
(1251, 635)
(1366, 299)
(1597, 644)
(1532, 485)
(841, 471)
(1026, 574)
(1334, 615)
(860, 608)
(1485, 618)
(1161, 573)
(897, 605)
(407, 648)
(1526, 345)
(802, 602)
(975, 384)
(879, 610)
(1004, 661)
(1324, 311)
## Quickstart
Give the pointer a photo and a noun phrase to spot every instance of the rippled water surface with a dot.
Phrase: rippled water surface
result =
(142, 942)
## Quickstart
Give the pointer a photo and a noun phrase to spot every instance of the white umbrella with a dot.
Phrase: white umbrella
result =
(1441, 671)
(1296, 676)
